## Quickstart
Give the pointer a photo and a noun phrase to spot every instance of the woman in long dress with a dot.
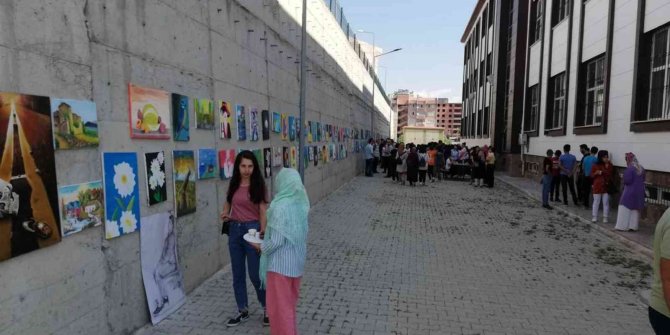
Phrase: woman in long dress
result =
(632, 198)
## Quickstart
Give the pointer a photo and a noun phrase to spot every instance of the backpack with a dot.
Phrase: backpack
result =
(422, 161)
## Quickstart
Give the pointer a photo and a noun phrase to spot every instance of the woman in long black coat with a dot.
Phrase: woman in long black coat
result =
(412, 166)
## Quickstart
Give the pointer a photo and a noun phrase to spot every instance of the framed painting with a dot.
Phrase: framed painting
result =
(265, 119)
(267, 159)
(75, 123)
(180, 118)
(254, 124)
(284, 127)
(206, 163)
(226, 163)
(184, 174)
(156, 186)
(121, 183)
(277, 157)
(225, 120)
(81, 206)
(241, 120)
(276, 122)
(285, 157)
(291, 128)
(204, 114)
(149, 112)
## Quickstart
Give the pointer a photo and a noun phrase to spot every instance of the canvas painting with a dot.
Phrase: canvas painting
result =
(204, 113)
(276, 122)
(291, 128)
(320, 151)
(297, 128)
(154, 165)
(81, 207)
(75, 123)
(284, 127)
(277, 157)
(225, 120)
(163, 280)
(318, 132)
(122, 206)
(267, 158)
(226, 163)
(285, 157)
(254, 124)
(305, 157)
(206, 163)
(241, 120)
(327, 133)
(259, 156)
(148, 112)
(315, 153)
(265, 117)
(294, 157)
(184, 174)
(180, 118)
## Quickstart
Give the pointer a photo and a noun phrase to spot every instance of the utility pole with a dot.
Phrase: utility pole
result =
(303, 88)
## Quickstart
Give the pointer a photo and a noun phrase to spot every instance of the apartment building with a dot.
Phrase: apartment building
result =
(417, 111)
(449, 117)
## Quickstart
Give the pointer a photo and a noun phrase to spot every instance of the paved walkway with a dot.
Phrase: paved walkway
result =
(446, 258)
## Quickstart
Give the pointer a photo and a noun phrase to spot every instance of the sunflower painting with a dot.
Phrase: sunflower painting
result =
(122, 208)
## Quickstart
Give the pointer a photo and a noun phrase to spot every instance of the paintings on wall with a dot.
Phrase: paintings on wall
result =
(225, 120)
(163, 280)
(294, 157)
(277, 157)
(291, 128)
(206, 163)
(240, 117)
(81, 207)
(149, 112)
(285, 157)
(305, 157)
(284, 127)
(254, 124)
(318, 132)
(276, 122)
(226, 163)
(180, 118)
(184, 175)
(204, 113)
(122, 206)
(267, 158)
(154, 165)
(75, 123)
(265, 117)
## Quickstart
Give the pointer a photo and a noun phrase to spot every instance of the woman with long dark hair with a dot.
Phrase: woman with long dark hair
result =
(244, 209)
(601, 175)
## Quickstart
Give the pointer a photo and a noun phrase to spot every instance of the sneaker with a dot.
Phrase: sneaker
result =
(241, 317)
(594, 219)
(266, 319)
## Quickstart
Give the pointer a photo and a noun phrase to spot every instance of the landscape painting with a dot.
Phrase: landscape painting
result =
(204, 113)
(241, 120)
(184, 175)
(154, 165)
(75, 123)
(265, 117)
(81, 207)
(149, 112)
(276, 122)
(225, 120)
(180, 118)
(207, 167)
(122, 206)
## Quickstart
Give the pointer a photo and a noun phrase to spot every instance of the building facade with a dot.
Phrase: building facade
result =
(417, 111)
(449, 117)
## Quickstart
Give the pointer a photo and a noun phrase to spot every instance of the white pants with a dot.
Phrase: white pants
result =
(627, 218)
(596, 205)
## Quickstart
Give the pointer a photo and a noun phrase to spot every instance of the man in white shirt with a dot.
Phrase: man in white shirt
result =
(369, 158)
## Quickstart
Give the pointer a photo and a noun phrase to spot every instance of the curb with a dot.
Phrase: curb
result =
(636, 247)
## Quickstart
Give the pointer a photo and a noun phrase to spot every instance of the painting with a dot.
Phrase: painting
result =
(294, 157)
(206, 163)
(267, 158)
(284, 127)
(163, 280)
(285, 157)
(75, 123)
(318, 132)
(226, 163)
(180, 118)
(291, 128)
(81, 207)
(184, 181)
(305, 157)
(265, 117)
(315, 155)
(122, 206)
(225, 120)
(154, 165)
(297, 128)
(241, 120)
(148, 112)
(277, 157)
(276, 122)
(204, 113)
(253, 124)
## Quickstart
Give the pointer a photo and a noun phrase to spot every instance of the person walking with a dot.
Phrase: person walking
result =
(601, 173)
(659, 299)
(244, 209)
(412, 165)
(284, 250)
(423, 165)
(490, 167)
(568, 165)
(369, 158)
(632, 198)
(401, 161)
(587, 181)
(546, 179)
(554, 193)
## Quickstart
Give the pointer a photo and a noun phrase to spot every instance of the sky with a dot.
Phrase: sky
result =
(429, 33)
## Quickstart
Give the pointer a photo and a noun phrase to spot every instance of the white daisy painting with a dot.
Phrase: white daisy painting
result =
(122, 207)
(154, 163)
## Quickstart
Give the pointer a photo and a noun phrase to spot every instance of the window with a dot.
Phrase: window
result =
(659, 106)
(491, 11)
(591, 111)
(530, 123)
(536, 21)
(556, 100)
(561, 9)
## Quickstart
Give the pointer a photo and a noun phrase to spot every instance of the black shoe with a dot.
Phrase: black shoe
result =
(266, 319)
(547, 207)
(241, 317)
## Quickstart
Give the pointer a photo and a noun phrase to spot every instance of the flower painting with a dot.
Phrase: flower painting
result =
(267, 158)
(254, 124)
(204, 113)
(226, 163)
(75, 123)
(154, 164)
(276, 157)
(265, 117)
(276, 122)
(149, 112)
(122, 208)
(291, 128)
(184, 181)
(180, 117)
(225, 119)
(240, 117)
(206, 163)
(81, 207)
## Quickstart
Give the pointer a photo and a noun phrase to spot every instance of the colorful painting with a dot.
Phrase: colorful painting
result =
(184, 181)
(265, 117)
(204, 113)
(81, 207)
(241, 120)
(324, 154)
(276, 122)
(148, 112)
(122, 206)
(206, 163)
(254, 124)
(285, 157)
(29, 216)
(315, 154)
(318, 132)
(277, 157)
(154, 165)
(163, 280)
(75, 124)
(291, 128)
(294, 157)
(267, 158)
(225, 120)
(226, 163)
(305, 156)
(180, 118)
(297, 128)
(284, 127)
(259, 156)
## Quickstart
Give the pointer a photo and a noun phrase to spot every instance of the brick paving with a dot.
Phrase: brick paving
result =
(446, 258)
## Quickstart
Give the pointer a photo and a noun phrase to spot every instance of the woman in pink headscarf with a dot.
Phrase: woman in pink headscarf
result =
(632, 199)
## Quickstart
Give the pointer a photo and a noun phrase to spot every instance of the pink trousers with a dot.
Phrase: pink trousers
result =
(281, 300)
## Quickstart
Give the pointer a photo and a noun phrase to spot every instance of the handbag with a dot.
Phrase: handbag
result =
(225, 228)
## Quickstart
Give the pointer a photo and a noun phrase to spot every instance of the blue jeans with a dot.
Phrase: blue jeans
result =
(546, 188)
(368, 166)
(240, 251)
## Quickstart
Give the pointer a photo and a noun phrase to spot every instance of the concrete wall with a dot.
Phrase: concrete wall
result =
(217, 49)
